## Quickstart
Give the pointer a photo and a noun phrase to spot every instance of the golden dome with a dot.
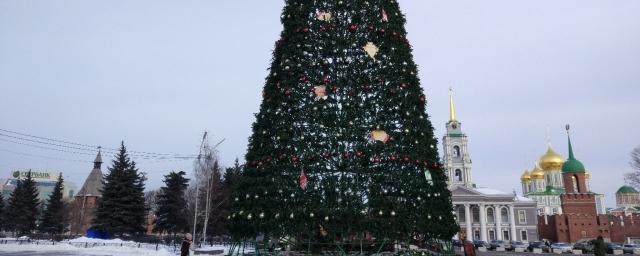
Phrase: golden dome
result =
(537, 173)
(525, 176)
(551, 161)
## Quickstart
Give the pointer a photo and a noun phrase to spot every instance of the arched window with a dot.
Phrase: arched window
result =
(576, 186)
(456, 151)
(458, 174)
(504, 215)
(490, 216)
(476, 214)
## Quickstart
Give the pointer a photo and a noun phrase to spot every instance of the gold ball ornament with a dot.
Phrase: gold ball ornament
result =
(320, 92)
(324, 16)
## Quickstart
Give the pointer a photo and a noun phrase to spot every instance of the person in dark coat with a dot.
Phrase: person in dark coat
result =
(186, 244)
(599, 247)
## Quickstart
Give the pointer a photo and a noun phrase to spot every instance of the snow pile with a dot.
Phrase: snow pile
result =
(225, 249)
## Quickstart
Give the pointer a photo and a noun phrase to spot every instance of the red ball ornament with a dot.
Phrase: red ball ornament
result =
(422, 99)
(325, 79)
(323, 29)
(392, 157)
(381, 31)
(359, 153)
(294, 158)
(370, 27)
(345, 155)
(287, 92)
(353, 28)
(306, 30)
(406, 158)
(404, 86)
(334, 89)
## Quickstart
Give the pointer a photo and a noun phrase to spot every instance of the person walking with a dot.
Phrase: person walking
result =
(467, 246)
(186, 244)
(599, 247)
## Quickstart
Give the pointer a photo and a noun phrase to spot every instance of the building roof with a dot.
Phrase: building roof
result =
(626, 190)
(572, 164)
(93, 184)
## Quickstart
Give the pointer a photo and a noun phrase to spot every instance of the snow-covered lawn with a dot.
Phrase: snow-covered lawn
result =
(95, 247)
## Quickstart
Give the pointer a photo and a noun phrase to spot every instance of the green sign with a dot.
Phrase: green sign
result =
(35, 175)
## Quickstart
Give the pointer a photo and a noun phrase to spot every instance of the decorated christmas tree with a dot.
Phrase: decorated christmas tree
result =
(342, 148)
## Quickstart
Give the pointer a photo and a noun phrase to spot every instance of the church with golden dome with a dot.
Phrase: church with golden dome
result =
(544, 184)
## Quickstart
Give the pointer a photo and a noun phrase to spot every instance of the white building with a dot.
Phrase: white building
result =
(483, 213)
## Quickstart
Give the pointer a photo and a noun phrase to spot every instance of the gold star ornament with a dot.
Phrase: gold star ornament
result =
(371, 50)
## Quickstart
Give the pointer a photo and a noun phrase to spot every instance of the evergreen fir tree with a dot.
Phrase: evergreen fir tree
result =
(2, 226)
(54, 218)
(121, 209)
(342, 145)
(172, 205)
(22, 211)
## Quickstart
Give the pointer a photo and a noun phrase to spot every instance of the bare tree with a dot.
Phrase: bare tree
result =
(204, 192)
(633, 178)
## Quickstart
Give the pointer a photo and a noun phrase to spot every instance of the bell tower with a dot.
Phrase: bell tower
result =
(456, 155)
(576, 198)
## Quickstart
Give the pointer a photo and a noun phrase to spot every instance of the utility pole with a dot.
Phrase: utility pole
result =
(195, 212)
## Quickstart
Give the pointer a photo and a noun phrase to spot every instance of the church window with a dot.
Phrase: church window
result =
(522, 217)
(490, 215)
(458, 175)
(504, 214)
(476, 214)
(456, 151)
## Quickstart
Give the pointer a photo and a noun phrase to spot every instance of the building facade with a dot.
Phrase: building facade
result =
(86, 201)
(482, 213)
(45, 183)
(627, 196)
(544, 184)
(580, 219)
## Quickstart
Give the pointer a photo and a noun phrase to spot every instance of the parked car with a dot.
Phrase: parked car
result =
(457, 243)
(480, 243)
(495, 244)
(586, 247)
(628, 248)
(518, 244)
(538, 245)
(563, 247)
(611, 247)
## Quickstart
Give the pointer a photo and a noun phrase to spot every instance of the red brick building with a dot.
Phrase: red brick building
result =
(86, 201)
(579, 220)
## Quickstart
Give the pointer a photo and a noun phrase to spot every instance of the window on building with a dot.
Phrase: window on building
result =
(490, 216)
(522, 217)
(505, 235)
(476, 214)
(492, 235)
(456, 151)
(476, 234)
(576, 186)
(584, 234)
(504, 215)
(461, 214)
(554, 210)
(458, 174)
(523, 235)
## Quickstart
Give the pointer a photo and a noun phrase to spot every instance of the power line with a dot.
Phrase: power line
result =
(86, 147)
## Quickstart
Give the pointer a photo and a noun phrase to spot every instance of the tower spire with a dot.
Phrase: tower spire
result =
(97, 163)
(452, 109)
(571, 156)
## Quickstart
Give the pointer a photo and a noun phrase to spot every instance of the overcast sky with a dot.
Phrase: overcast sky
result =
(156, 74)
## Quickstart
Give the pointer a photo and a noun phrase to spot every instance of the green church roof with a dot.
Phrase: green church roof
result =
(626, 190)
(572, 164)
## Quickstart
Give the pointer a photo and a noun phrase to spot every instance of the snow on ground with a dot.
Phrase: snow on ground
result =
(84, 239)
(224, 248)
(61, 248)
